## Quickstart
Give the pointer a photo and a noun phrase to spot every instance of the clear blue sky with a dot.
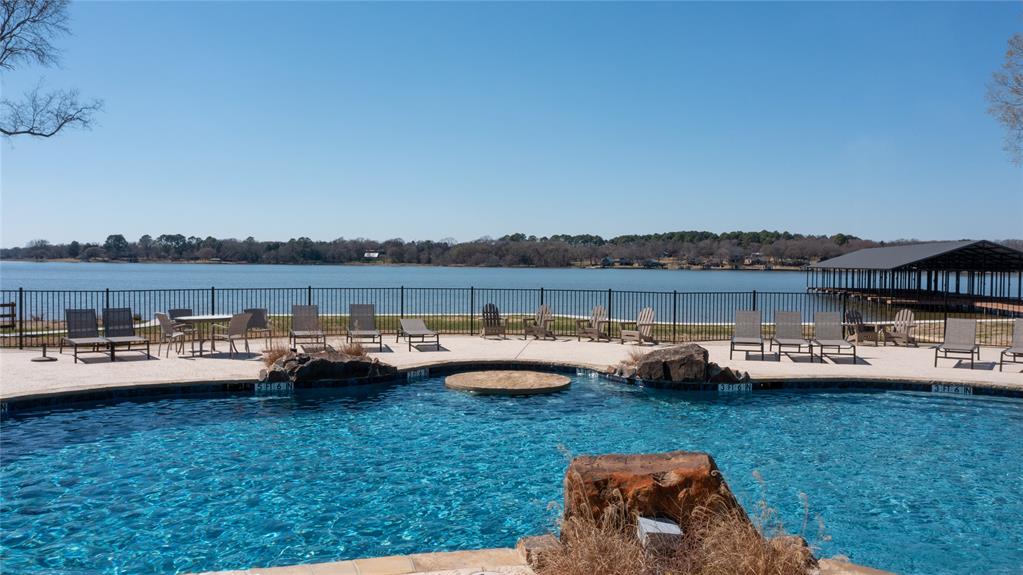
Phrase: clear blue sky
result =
(426, 121)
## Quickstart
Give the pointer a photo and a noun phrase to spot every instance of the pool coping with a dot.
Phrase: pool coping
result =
(29, 402)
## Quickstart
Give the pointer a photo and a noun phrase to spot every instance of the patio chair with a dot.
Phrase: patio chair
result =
(175, 313)
(362, 324)
(170, 335)
(539, 326)
(259, 323)
(414, 329)
(1016, 350)
(960, 339)
(827, 334)
(305, 325)
(236, 329)
(493, 323)
(902, 329)
(858, 331)
(83, 331)
(748, 332)
(788, 332)
(595, 327)
(119, 329)
(640, 330)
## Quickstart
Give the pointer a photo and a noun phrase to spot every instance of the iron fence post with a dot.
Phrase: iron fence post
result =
(754, 300)
(472, 308)
(944, 321)
(674, 314)
(309, 295)
(541, 296)
(213, 300)
(609, 315)
(845, 300)
(106, 298)
(21, 318)
(401, 304)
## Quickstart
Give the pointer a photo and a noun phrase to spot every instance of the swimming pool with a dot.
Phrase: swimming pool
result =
(911, 482)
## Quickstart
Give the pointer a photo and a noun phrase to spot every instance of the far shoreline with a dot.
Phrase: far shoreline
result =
(402, 265)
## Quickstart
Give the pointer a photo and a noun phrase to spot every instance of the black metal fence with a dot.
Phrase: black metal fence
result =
(679, 316)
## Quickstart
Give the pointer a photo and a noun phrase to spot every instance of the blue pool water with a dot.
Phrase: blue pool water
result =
(916, 483)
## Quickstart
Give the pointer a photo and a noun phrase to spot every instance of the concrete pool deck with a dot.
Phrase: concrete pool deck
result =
(22, 378)
(502, 561)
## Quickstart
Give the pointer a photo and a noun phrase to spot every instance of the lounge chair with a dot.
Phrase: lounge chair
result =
(788, 332)
(1016, 351)
(747, 332)
(171, 335)
(493, 323)
(305, 325)
(859, 331)
(594, 328)
(362, 324)
(414, 329)
(119, 329)
(902, 329)
(83, 331)
(960, 339)
(827, 334)
(259, 323)
(236, 329)
(539, 326)
(640, 330)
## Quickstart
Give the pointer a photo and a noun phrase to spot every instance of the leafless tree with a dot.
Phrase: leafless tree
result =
(27, 28)
(1005, 94)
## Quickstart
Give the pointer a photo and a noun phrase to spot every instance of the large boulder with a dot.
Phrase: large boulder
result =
(671, 484)
(325, 365)
(679, 363)
(686, 363)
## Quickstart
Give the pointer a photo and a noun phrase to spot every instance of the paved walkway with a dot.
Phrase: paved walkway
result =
(20, 377)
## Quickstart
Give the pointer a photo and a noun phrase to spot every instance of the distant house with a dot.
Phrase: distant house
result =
(652, 264)
(624, 262)
(371, 256)
(606, 262)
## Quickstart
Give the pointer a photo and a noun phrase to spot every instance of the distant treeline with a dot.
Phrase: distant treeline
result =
(686, 248)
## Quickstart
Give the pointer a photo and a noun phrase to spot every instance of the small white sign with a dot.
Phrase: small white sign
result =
(735, 387)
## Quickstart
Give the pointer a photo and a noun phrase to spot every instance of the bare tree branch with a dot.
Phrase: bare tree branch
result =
(26, 29)
(45, 114)
(1005, 95)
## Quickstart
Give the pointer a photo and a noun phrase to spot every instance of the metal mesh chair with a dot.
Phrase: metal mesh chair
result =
(305, 325)
(83, 331)
(1015, 352)
(748, 332)
(236, 329)
(828, 334)
(788, 332)
(960, 340)
(119, 329)
(362, 324)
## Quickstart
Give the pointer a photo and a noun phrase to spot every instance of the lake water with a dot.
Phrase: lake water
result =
(98, 276)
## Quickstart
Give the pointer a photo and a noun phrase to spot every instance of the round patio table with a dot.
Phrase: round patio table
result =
(204, 326)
